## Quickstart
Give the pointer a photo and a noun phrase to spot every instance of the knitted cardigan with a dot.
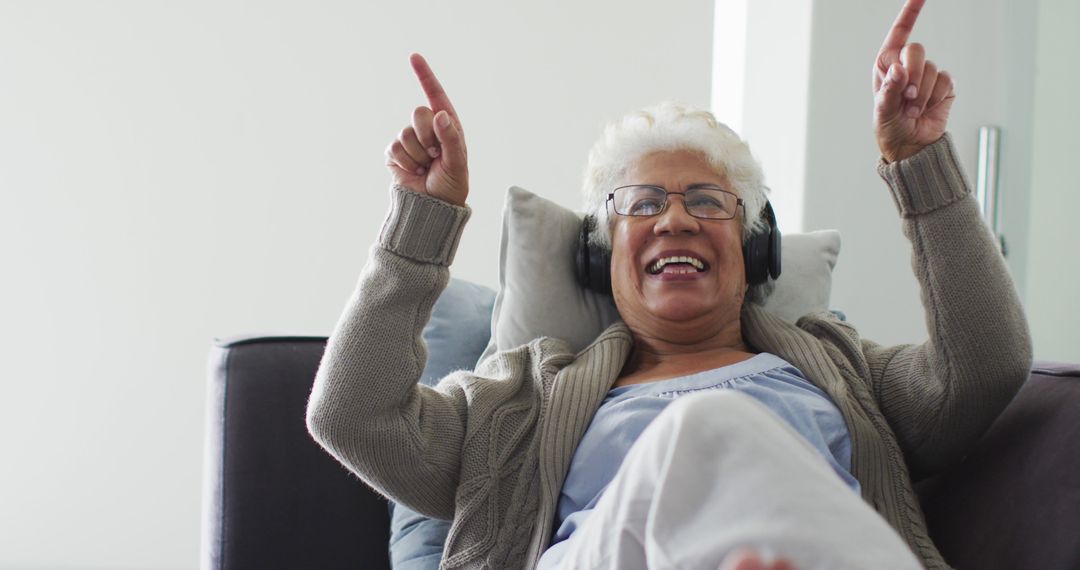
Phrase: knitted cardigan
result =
(489, 449)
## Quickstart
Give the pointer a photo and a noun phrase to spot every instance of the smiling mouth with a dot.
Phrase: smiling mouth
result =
(677, 264)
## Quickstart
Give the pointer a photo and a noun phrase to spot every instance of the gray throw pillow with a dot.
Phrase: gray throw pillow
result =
(539, 294)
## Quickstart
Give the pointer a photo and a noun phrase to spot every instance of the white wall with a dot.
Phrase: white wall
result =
(172, 172)
(775, 113)
(1053, 301)
(729, 63)
(1011, 62)
(873, 281)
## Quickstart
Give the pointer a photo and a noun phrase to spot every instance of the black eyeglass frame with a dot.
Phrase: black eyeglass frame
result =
(738, 201)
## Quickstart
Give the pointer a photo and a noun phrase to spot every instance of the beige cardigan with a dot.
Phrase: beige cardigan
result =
(489, 449)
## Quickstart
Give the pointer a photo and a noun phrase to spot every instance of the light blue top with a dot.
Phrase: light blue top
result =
(628, 410)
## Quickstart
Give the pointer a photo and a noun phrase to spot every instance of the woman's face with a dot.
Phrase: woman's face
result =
(680, 297)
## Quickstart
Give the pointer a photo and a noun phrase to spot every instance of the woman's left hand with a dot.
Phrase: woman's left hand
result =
(912, 97)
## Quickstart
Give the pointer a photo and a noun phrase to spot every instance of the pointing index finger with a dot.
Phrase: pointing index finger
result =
(901, 28)
(436, 96)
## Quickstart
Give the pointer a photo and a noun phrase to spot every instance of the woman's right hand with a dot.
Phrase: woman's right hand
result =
(429, 155)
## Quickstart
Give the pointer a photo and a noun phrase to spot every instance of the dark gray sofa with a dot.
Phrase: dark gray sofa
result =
(274, 499)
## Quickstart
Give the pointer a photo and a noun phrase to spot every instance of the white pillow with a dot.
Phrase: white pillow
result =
(539, 294)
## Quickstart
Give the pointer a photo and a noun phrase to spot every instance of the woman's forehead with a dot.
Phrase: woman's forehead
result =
(666, 167)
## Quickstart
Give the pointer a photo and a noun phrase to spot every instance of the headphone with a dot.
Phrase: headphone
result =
(761, 256)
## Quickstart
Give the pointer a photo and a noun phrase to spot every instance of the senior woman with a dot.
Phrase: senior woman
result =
(799, 442)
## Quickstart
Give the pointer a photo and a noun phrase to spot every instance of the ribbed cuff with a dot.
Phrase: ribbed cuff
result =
(926, 181)
(422, 228)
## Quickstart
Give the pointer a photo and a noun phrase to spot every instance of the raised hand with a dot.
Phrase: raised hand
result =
(429, 156)
(912, 97)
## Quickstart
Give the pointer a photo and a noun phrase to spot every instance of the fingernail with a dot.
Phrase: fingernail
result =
(420, 171)
(444, 119)
(913, 111)
(433, 152)
(911, 92)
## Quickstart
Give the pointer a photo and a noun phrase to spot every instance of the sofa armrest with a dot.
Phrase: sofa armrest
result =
(1014, 501)
(272, 498)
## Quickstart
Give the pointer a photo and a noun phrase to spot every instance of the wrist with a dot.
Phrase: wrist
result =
(927, 180)
(891, 155)
(422, 227)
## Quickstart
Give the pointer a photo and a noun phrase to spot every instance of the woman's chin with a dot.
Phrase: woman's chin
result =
(678, 308)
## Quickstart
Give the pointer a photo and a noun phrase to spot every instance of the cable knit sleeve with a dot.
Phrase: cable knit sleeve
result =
(366, 407)
(940, 396)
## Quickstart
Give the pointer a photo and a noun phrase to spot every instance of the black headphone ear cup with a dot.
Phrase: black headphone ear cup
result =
(774, 253)
(772, 264)
(581, 256)
(761, 255)
(754, 260)
(592, 263)
(600, 274)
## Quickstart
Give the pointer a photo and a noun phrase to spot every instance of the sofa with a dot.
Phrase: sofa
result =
(272, 498)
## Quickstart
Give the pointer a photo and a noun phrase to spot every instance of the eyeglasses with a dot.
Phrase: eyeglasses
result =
(703, 201)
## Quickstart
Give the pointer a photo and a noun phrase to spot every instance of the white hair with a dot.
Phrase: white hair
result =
(668, 127)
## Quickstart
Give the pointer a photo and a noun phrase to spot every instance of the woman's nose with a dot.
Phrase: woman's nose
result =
(675, 219)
